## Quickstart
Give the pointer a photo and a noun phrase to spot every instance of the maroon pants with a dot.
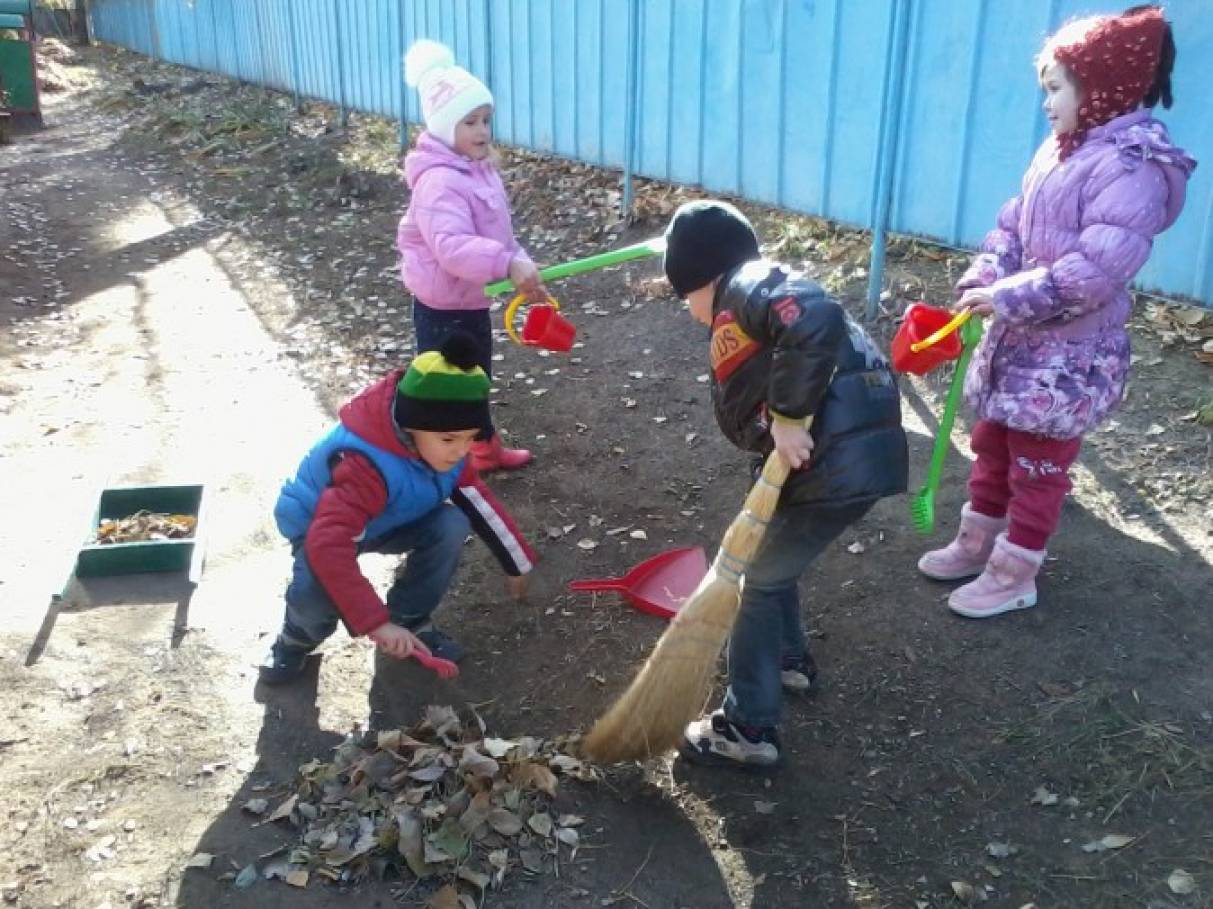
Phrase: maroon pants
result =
(1023, 476)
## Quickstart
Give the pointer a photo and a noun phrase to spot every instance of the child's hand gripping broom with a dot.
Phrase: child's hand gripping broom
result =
(669, 692)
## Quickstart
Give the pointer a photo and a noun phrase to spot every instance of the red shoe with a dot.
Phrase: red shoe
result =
(492, 455)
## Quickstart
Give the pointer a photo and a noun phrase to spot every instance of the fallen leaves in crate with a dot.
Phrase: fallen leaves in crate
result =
(440, 800)
(145, 526)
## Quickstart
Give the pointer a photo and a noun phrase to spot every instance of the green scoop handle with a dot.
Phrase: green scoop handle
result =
(651, 247)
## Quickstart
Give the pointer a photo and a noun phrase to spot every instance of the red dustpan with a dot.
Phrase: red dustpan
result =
(658, 586)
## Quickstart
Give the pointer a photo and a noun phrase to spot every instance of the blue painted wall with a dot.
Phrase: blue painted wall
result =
(779, 101)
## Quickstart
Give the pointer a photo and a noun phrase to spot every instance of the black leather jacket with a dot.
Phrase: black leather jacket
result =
(780, 344)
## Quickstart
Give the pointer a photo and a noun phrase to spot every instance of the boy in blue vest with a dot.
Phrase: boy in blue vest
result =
(781, 351)
(392, 477)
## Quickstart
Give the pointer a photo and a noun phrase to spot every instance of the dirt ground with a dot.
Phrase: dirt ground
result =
(194, 276)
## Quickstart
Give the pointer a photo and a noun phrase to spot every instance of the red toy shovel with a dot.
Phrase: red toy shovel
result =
(445, 668)
(658, 586)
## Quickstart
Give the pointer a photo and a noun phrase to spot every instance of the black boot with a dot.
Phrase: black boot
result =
(285, 662)
(441, 644)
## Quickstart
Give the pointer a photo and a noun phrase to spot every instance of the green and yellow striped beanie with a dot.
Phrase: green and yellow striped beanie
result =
(444, 389)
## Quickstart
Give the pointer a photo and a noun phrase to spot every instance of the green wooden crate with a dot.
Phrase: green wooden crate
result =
(96, 560)
(18, 63)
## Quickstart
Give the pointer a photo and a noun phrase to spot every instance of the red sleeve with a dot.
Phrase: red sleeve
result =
(355, 495)
(493, 523)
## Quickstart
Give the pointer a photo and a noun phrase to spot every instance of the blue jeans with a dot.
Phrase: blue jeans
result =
(433, 326)
(434, 545)
(768, 633)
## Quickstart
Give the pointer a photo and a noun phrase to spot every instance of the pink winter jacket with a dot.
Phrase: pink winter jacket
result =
(456, 235)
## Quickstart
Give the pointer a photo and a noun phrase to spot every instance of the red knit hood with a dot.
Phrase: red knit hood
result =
(1115, 65)
(369, 414)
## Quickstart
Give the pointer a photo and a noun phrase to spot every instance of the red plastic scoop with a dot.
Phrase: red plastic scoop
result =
(445, 668)
(658, 586)
(546, 327)
(916, 348)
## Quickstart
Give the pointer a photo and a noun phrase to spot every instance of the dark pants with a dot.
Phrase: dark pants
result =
(1023, 476)
(434, 545)
(433, 326)
(768, 632)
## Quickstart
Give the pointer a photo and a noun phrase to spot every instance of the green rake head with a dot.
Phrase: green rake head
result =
(922, 510)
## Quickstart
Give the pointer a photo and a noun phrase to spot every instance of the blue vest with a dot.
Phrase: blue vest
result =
(413, 487)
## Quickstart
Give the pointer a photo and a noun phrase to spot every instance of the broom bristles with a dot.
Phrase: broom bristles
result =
(672, 686)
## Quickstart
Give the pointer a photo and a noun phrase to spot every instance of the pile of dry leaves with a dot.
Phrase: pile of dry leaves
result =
(1184, 327)
(441, 801)
(143, 526)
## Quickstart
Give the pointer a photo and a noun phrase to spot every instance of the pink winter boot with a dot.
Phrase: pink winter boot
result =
(492, 455)
(1008, 582)
(966, 555)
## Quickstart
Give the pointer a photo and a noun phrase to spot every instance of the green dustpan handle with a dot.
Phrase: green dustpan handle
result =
(970, 334)
(652, 247)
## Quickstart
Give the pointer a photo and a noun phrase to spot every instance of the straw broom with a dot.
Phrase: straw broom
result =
(670, 689)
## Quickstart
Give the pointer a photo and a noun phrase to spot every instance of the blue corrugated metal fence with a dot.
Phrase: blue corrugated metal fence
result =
(798, 103)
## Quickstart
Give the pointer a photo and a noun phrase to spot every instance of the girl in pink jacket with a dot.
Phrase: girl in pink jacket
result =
(456, 235)
(1054, 275)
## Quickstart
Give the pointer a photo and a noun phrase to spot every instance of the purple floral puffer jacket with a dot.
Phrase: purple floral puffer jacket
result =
(1055, 357)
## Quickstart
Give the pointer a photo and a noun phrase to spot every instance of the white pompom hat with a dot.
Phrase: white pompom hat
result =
(448, 92)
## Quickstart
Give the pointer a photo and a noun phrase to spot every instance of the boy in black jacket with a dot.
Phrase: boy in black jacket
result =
(781, 351)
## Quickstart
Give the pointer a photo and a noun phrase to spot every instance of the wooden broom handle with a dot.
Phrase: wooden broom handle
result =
(742, 536)
(775, 472)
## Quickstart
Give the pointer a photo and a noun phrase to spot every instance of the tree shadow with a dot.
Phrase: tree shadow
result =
(82, 258)
(290, 735)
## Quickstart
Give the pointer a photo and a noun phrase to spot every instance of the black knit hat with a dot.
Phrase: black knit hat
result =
(704, 240)
(444, 390)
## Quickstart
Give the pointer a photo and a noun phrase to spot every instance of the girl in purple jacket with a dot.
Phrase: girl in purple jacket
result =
(1055, 274)
(456, 235)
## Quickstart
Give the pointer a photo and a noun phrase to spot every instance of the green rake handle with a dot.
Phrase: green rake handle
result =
(970, 333)
(643, 250)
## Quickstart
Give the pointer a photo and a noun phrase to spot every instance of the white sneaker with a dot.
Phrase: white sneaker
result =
(714, 740)
(798, 677)
(795, 681)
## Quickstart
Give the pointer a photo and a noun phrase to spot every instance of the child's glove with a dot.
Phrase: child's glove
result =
(396, 641)
(517, 586)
